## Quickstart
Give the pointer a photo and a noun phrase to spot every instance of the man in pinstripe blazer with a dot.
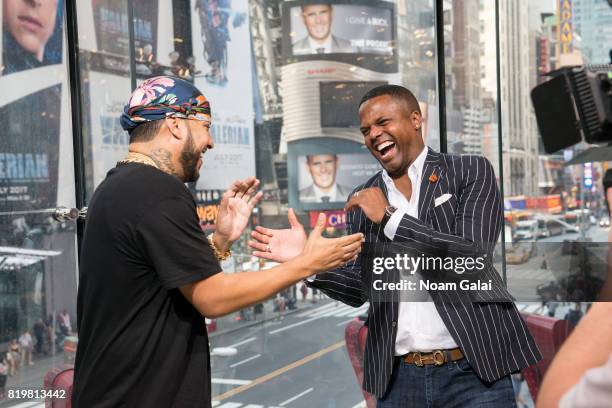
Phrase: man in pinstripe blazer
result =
(455, 350)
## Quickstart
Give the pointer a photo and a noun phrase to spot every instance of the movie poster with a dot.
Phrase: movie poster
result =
(107, 94)
(222, 51)
(36, 143)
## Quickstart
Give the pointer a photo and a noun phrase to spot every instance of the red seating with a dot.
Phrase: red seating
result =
(549, 334)
(60, 378)
(355, 335)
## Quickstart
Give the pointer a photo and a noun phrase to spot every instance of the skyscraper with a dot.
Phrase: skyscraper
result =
(519, 130)
(592, 20)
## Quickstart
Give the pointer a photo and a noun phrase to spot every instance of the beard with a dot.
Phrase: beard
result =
(189, 160)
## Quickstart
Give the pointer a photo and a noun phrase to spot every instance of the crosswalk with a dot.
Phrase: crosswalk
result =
(334, 309)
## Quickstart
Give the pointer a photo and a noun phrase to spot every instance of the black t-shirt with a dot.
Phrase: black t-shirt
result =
(141, 343)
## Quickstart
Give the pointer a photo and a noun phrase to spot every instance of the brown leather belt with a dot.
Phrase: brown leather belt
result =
(436, 357)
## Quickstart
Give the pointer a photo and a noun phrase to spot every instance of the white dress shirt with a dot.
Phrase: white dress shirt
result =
(332, 193)
(419, 326)
(326, 45)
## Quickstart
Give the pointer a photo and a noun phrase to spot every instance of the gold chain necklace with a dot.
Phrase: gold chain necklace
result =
(135, 157)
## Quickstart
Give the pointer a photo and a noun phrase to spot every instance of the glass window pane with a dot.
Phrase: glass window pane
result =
(38, 268)
(105, 84)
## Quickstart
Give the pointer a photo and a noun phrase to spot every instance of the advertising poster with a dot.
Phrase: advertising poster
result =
(111, 24)
(222, 51)
(360, 33)
(31, 35)
(109, 142)
(33, 109)
(340, 29)
(328, 178)
(340, 101)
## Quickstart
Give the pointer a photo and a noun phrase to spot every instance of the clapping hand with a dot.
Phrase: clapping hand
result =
(237, 204)
(279, 245)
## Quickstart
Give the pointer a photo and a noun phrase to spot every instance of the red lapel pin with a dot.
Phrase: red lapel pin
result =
(433, 178)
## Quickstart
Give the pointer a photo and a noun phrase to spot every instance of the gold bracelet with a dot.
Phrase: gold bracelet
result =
(218, 254)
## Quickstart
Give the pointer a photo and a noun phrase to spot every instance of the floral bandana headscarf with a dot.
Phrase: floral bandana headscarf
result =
(161, 97)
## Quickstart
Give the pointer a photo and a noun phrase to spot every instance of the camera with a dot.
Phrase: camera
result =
(574, 105)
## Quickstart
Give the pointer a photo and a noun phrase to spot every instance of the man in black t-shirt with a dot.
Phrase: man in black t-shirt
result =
(148, 274)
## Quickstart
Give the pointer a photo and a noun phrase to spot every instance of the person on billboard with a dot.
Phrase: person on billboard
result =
(317, 19)
(324, 189)
(458, 349)
(148, 275)
(27, 27)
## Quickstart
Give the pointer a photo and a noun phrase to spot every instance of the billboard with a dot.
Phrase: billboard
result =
(341, 31)
(329, 178)
(36, 145)
(322, 172)
(107, 94)
(223, 64)
(31, 35)
(339, 101)
(566, 26)
(111, 26)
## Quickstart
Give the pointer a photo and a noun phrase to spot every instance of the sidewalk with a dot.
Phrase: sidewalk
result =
(232, 322)
(32, 377)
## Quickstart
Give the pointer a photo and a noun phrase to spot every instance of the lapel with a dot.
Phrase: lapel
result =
(380, 183)
(432, 173)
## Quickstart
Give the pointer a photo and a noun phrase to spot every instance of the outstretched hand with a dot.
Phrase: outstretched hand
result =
(323, 254)
(237, 204)
(279, 245)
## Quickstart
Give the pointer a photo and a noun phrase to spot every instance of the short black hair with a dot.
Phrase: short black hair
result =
(146, 131)
(395, 91)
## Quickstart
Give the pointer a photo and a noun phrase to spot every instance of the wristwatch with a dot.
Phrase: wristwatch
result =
(389, 210)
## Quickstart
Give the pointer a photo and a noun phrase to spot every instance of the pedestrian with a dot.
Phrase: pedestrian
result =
(304, 290)
(280, 303)
(64, 323)
(148, 274)
(39, 335)
(26, 343)
(573, 316)
(3, 376)
(14, 355)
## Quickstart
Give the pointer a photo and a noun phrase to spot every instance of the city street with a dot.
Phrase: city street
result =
(523, 278)
(301, 360)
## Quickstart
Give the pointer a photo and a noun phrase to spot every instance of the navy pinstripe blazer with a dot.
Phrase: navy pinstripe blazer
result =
(487, 327)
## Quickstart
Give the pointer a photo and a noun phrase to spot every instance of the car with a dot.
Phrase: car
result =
(526, 230)
(604, 222)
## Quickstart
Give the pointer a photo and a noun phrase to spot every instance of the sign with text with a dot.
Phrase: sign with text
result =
(335, 219)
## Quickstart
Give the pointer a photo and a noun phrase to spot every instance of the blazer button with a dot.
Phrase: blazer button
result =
(394, 324)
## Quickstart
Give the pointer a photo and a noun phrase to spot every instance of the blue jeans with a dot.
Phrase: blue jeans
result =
(450, 385)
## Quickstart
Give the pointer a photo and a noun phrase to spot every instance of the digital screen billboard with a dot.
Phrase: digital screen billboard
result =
(341, 31)
(340, 101)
